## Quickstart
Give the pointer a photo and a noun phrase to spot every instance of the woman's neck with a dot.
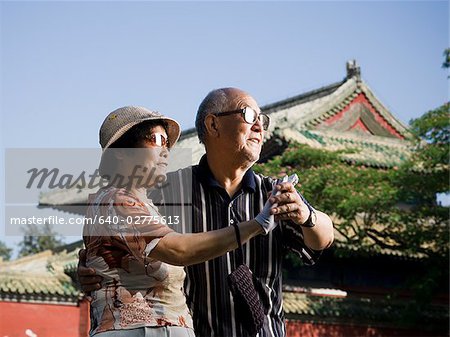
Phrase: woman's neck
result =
(123, 179)
(140, 193)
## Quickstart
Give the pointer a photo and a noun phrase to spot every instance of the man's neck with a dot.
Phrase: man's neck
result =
(228, 176)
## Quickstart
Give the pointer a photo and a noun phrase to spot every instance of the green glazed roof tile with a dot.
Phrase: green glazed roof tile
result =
(30, 275)
(303, 304)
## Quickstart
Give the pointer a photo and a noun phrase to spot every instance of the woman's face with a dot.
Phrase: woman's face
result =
(147, 164)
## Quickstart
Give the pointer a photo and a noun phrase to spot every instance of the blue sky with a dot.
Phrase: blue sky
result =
(66, 65)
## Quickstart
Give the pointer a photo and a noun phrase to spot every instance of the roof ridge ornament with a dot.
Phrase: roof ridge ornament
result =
(353, 70)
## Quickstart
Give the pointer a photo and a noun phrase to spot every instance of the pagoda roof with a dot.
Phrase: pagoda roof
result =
(325, 109)
(342, 115)
(39, 278)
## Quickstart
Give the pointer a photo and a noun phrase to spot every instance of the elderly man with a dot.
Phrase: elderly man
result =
(225, 190)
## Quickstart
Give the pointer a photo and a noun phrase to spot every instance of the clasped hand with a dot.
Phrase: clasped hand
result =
(284, 203)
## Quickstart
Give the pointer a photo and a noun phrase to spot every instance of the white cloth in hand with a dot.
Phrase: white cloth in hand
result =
(264, 218)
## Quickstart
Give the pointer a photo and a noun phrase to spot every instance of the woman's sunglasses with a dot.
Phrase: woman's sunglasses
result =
(158, 140)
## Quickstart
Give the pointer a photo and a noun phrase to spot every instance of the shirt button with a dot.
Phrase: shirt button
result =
(231, 221)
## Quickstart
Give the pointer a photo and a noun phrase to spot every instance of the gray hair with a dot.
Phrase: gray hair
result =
(215, 101)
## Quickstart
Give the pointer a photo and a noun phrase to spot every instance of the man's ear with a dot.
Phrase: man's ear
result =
(211, 125)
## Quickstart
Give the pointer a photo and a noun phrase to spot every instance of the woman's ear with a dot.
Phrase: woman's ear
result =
(118, 154)
(211, 125)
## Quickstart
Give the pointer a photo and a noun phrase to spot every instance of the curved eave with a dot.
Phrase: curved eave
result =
(302, 98)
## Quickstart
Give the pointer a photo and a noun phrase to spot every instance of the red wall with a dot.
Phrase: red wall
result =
(303, 329)
(52, 320)
(45, 320)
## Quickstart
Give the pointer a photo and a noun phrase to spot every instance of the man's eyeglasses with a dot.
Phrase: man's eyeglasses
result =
(250, 116)
(158, 139)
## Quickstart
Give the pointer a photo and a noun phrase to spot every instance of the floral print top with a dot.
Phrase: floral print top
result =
(137, 291)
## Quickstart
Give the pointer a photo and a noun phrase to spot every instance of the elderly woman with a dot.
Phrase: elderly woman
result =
(139, 257)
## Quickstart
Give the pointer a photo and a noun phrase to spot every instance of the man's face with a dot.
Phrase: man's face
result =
(237, 138)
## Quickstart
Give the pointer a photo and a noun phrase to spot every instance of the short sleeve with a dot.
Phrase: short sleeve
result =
(138, 231)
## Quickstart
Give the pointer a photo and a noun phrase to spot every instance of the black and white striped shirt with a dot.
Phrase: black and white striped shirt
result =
(203, 205)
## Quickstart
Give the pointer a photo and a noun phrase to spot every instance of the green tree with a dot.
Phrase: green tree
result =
(37, 239)
(5, 251)
(376, 208)
(357, 196)
(446, 63)
(391, 209)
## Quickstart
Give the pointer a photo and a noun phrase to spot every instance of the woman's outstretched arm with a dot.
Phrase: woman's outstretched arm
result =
(186, 249)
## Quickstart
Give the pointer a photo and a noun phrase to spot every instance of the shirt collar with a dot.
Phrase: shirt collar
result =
(206, 176)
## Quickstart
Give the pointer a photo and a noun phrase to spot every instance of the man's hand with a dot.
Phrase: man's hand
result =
(89, 281)
(290, 205)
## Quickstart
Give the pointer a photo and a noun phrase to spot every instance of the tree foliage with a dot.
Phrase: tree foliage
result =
(37, 239)
(5, 251)
(376, 209)
(432, 132)
(446, 63)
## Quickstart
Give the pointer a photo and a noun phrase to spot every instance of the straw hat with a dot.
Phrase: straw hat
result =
(118, 122)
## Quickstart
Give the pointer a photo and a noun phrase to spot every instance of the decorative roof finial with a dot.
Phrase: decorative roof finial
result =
(353, 70)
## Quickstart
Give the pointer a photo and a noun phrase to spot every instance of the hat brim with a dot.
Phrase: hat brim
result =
(173, 130)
